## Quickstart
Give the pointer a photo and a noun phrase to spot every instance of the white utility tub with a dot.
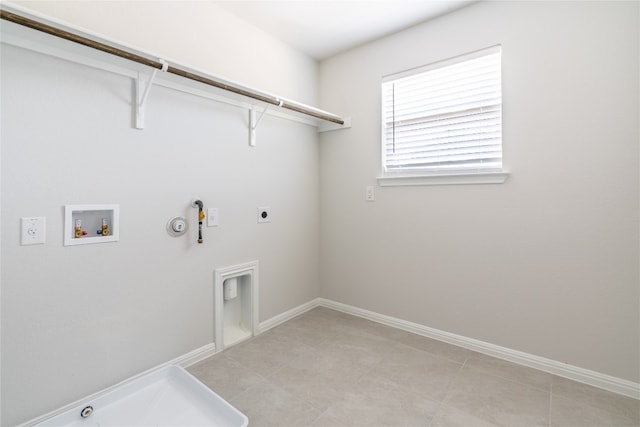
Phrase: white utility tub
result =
(167, 397)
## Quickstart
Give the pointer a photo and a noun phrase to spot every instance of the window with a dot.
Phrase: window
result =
(442, 123)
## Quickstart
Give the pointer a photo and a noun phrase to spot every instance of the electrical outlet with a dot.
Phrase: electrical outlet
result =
(33, 230)
(212, 217)
(264, 214)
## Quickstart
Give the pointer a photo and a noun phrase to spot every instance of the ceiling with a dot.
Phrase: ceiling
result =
(324, 28)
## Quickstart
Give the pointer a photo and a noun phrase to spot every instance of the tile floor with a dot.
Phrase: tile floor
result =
(329, 369)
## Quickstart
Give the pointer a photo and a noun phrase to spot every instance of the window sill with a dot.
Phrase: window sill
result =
(451, 179)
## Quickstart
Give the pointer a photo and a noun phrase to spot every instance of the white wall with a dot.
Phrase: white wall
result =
(78, 319)
(546, 263)
(198, 34)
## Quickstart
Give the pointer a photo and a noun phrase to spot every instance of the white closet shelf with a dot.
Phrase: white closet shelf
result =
(44, 35)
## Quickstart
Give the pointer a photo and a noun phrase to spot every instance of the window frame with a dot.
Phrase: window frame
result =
(417, 177)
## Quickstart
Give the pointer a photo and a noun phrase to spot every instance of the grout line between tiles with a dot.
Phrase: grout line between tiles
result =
(441, 404)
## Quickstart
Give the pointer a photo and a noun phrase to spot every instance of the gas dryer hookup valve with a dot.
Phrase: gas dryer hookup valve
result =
(198, 204)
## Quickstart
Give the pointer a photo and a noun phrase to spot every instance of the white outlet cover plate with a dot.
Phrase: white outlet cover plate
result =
(33, 230)
(370, 194)
(264, 214)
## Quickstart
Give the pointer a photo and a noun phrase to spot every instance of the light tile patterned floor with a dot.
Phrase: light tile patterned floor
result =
(329, 369)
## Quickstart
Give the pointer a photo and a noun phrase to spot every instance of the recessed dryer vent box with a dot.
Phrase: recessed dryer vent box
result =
(84, 224)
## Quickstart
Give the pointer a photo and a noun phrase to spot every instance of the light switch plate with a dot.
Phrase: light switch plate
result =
(33, 230)
(212, 217)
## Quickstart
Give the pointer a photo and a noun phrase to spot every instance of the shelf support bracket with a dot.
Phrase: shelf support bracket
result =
(254, 122)
(142, 93)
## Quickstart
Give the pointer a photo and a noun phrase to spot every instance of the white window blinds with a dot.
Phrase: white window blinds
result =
(444, 118)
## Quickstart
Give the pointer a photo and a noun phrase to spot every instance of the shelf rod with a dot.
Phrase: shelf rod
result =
(76, 38)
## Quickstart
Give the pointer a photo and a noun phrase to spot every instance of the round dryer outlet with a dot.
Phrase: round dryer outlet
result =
(264, 214)
(177, 226)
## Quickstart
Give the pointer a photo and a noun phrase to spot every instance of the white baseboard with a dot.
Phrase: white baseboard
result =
(288, 315)
(596, 379)
(185, 360)
(192, 357)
